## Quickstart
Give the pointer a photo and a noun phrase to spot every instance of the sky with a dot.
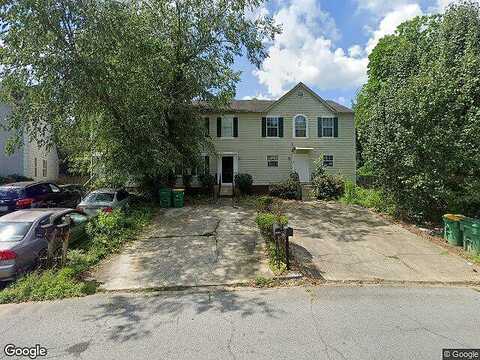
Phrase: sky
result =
(325, 44)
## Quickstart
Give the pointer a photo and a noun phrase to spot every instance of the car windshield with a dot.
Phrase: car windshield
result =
(99, 197)
(10, 193)
(13, 231)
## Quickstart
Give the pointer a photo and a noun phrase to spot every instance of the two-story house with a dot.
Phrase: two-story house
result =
(30, 160)
(270, 139)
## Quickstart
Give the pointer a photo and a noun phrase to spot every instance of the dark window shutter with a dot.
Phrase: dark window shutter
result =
(335, 127)
(320, 128)
(264, 127)
(207, 126)
(207, 165)
(219, 127)
(280, 127)
(235, 127)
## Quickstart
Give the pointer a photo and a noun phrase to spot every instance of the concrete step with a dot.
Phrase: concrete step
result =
(226, 190)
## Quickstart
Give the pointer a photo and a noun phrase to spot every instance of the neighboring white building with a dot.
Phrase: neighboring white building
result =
(270, 139)
(30, 160)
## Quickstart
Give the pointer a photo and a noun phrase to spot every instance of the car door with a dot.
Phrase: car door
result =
(39, 194)
(34, 244)
(55, 196)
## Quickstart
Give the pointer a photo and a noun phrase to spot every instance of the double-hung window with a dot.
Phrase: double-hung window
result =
(300, 126)
(227, 127)
(272, 127)
(327, 127)
(272, 160)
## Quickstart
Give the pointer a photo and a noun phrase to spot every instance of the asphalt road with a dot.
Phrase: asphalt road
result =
(289, 323)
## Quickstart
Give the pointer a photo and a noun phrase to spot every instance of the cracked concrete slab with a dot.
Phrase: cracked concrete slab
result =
(205, 245)
(349, 243)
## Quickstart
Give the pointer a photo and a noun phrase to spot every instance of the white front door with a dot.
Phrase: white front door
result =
(301, 165)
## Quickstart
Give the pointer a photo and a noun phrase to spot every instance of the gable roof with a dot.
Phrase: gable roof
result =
(263, 106)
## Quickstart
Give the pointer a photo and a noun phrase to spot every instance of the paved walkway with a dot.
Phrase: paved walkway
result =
(191, 246)
(340, 242)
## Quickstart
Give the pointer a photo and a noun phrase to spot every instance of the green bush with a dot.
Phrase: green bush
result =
(264, 204)
(368, 198)
(265, 222)
(326, 186)
(245, 183)
(207, 181)
(288, 189)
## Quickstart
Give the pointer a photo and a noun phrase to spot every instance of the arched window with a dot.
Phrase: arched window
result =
(300, 126)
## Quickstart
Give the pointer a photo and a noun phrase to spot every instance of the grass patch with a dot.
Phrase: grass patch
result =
(107, 233)
(261, 281)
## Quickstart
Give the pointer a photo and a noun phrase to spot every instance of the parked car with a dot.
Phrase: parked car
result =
(104, 200)
(30, 194)
(76, 188)
(22, 240)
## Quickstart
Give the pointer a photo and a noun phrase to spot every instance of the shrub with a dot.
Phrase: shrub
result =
(207, 181)
(368, 198)
(288, 189)
(264, 204)
(187, 180)
(245, 183)
(265, 222)
(327, 186)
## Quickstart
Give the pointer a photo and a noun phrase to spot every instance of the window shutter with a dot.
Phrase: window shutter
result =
(320, 128)
(235, 127)
(219, 127)
(207, 165)
(280, 127)
(264, 127)
(207, 126)
(335, 127)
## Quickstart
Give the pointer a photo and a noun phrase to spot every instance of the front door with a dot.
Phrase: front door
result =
(302, 167)
(227, 169)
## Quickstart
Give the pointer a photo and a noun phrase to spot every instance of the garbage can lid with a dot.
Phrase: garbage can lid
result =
(453, 217)
(179, 190)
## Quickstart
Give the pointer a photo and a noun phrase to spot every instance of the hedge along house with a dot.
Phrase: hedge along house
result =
(270, 139)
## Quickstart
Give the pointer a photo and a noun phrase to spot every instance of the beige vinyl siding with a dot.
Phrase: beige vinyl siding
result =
(253, 149)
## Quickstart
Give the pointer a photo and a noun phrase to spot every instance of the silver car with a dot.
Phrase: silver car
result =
(22, 241)
(104, 200)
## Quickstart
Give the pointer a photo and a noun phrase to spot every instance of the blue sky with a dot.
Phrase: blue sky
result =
(325, 44)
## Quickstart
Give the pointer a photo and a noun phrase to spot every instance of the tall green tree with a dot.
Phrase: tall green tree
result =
(117, 79)
(418, 117)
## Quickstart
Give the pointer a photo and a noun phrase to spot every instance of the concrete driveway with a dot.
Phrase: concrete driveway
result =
(191, 246)
(343, 243)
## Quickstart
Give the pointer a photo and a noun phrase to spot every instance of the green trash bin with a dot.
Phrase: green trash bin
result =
(178, 198)
(471, 236)
(165, 197)
(451, 230)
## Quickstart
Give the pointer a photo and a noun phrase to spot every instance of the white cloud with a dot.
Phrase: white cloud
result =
(380, 7)
(259, 96)
(342, 100)
(390, 22)
(305, 52)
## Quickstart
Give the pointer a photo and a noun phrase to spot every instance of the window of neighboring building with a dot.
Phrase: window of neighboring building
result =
(272, 160)
(328, 160)
(35, 165)
(272, 127)
(44, 170)
(227, 127)
(327, 127)
(300, 126)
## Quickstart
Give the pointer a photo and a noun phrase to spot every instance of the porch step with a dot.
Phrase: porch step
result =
(307, 192)
(226, 190)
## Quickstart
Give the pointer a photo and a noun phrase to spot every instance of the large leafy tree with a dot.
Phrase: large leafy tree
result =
(418, 117)
(117, 79)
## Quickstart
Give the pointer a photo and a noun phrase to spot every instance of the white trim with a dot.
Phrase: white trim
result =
(306, 127)
(235, 163)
